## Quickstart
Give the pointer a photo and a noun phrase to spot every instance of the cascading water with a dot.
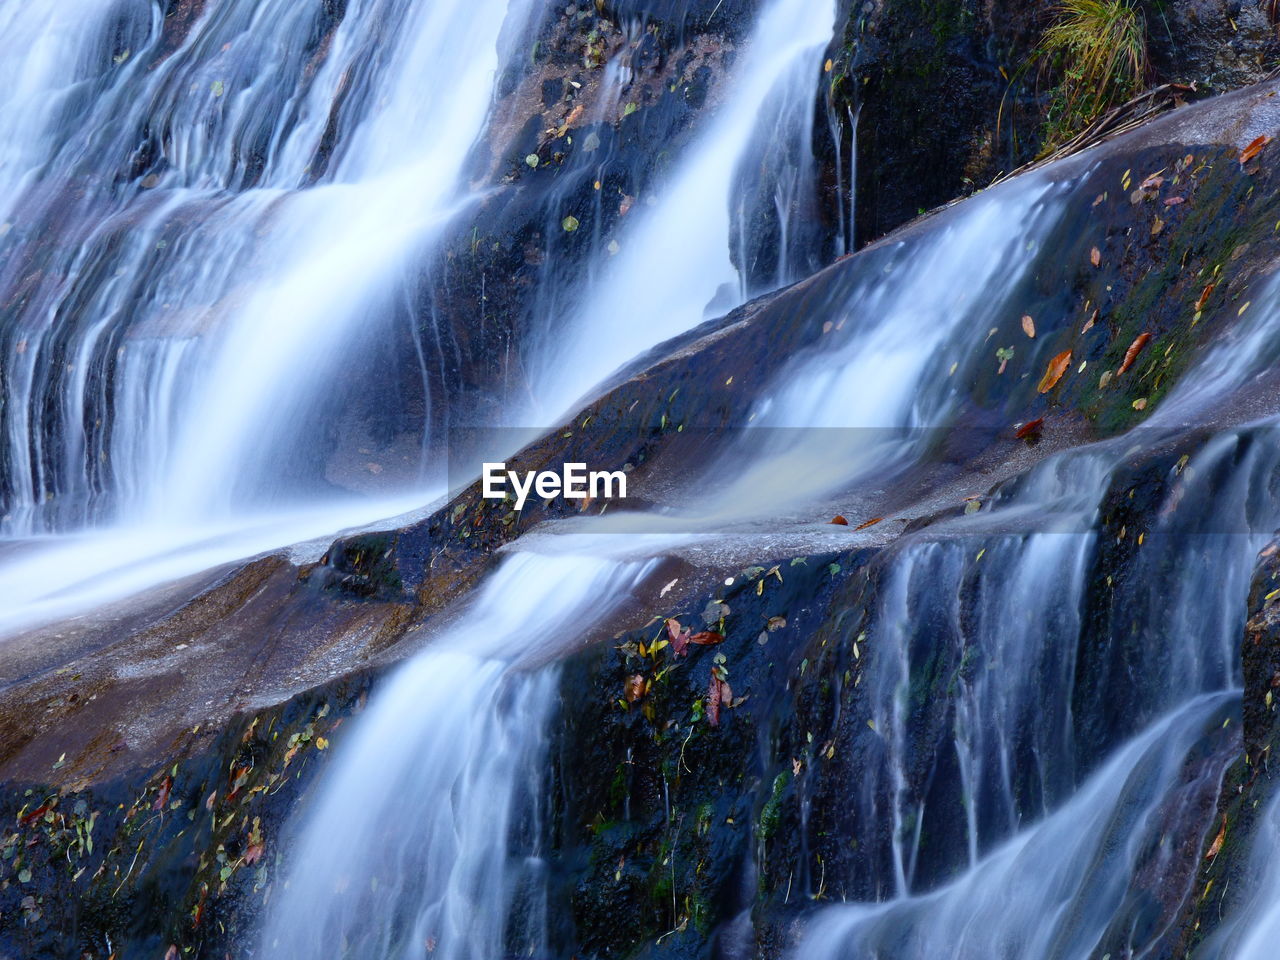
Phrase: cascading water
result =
(676, 265)
(248, 190)
(423, 841)
(451, 886)
(1061, 886)
(188, 268)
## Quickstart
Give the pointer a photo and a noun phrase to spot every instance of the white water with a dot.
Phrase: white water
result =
(1054, 891)
(676, 262)
(268, 276)
(225, 300)
(425, 828)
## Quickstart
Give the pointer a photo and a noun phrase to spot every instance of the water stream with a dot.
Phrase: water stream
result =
(203, 220)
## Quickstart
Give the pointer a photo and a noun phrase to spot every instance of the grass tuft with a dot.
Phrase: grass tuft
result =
(1099, 49)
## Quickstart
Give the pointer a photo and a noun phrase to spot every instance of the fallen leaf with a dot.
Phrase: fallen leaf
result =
(171, 953)
(1030, 429)
(1029, 327)
(625, 206)
(1253, 149)
(1157, 227)
(1095, 257)
(707, 638)
(253, 853)
(1131, 354)
(1092, 320)
(1216, 846)
(163, 796)
(1053, 373)
(634, 687)
(1153, 182)
(839, 521)
(713, 700)
(870, 523)
(1140, 404)
(1205, 294)
(1174, 201)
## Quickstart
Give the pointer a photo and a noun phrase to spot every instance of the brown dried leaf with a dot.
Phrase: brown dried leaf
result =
(635, 687)
(1030, 429)
(163, 796)
(1135, 348)
(1029, 327)
(1253, 149)
(1216, 846)
(713, 700)
(1095, 257)
(1205, 294)
(1092, 320)
(870, 523)
(839, 521)
(1053, 373)
(253, 853)
(707, 638)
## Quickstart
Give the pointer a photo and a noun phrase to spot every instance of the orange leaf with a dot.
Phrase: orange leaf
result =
(1095, 257)
(870, 523)
(1053, 373)
(1092, 320)
(839, 521)
(707, 638)
(1253, 149)
(1218, 840)
(253, 853)
(1029, 429)
(1131, 354)
(1205, 294)
(1029, 327)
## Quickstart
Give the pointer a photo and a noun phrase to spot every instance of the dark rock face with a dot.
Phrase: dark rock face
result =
(1216, 44)
(944, 100)
(1235, 852)
(924, 82)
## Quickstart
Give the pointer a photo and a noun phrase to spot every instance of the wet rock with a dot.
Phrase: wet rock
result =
(945, 97)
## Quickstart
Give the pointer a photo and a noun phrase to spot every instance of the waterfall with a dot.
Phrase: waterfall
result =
(205, 230)
(210, 224)
(1057, 889)
(423, 841)
(676, 266)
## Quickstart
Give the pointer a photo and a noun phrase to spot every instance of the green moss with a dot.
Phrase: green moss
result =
(771, 813)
